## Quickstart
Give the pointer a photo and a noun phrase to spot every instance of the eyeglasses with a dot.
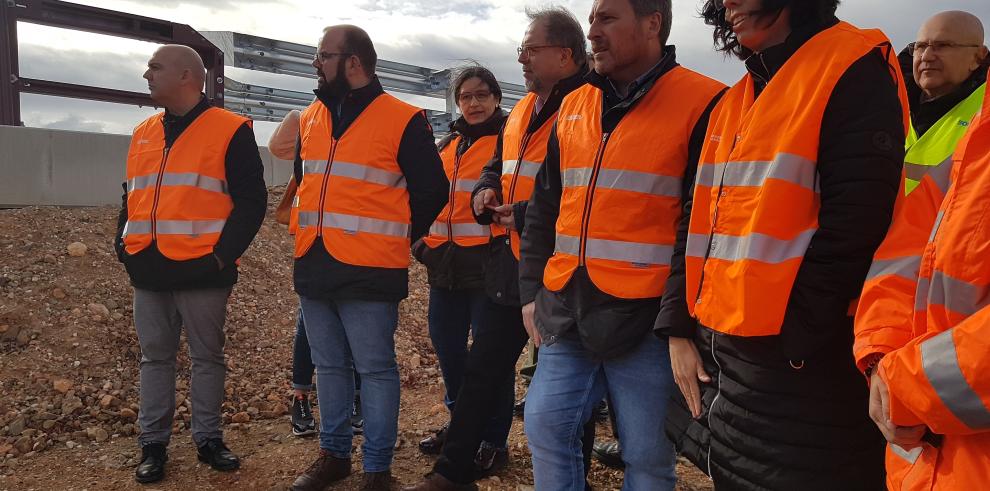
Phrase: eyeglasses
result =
(937, 46)
(323, 56)
(481, 97)
(529, 50)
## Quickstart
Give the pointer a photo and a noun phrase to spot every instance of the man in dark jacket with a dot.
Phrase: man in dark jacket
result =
(788, 411)
(552, 56)
(371, 182)
(587, 235)
(191, 293)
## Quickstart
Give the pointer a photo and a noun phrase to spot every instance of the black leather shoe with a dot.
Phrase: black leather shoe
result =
(519, 408)
(609, 454)
(215, 453)
(433, 444)
(152, 466)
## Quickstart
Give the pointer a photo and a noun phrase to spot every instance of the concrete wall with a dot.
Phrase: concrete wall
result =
(70, 168)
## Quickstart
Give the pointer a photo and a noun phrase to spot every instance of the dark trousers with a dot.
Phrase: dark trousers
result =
(490, 366)
(302, 360)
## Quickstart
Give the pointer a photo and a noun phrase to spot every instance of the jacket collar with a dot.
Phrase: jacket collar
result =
(552, 104)
(641, 85)
(355, 100)
(489, 127)
(174, 125)
(765, 64)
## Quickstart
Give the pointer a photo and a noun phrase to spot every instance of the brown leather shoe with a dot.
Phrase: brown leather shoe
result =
(377, 481)
(326, 470)
(436, 482)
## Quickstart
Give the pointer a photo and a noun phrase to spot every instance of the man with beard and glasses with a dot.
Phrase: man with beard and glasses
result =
(371, 181)
(552, 56)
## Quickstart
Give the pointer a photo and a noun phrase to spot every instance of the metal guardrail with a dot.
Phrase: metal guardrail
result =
(282, 57)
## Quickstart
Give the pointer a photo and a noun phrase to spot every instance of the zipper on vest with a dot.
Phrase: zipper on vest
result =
(450, 207)
(711, 409)
(512, 183)
(589, 197)
(711, 232)
(323, 190)
(158, 190)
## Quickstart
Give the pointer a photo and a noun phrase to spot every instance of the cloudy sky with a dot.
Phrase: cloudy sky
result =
(433, 33)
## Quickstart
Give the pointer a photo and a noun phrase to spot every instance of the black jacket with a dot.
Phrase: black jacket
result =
(451, 266)
(502, 271)
(607, 325)
(924, 114)
(317, 274)
(245, 175)
(790, 411)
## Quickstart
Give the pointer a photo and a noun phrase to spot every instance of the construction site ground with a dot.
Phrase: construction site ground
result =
(69, 370)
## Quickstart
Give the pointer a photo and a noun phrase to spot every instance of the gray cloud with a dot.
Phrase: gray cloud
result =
(430, 8)
(76, 122)
(101, 69)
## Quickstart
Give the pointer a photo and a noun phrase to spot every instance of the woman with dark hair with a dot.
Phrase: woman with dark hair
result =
(795, 190)
(456, 249)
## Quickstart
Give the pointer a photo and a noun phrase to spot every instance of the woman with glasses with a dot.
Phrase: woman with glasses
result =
(456, 249)
(795, 190)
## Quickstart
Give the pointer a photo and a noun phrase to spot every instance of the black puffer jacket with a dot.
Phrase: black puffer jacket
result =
(451, 266)
(790, 411)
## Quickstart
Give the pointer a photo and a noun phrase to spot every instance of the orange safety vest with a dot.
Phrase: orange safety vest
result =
(522, 155)
(456, 222)
(885, 310)
(353, 192)
(177, 196)
(756, 198)
(941, 378)
(621, 197)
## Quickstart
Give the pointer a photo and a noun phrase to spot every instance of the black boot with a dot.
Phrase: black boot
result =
(215, 453)
(152, 466)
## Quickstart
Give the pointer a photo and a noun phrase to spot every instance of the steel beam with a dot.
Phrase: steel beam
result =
(10, 100)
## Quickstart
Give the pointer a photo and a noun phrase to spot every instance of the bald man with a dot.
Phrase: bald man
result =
(193, 201)
(946, 83)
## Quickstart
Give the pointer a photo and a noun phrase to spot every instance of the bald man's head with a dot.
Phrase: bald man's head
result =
(949, 48)
(175, 73)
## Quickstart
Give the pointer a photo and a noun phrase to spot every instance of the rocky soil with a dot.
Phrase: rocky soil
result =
(69, 369)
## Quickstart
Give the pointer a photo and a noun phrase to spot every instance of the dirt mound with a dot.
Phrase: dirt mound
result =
(69, 367)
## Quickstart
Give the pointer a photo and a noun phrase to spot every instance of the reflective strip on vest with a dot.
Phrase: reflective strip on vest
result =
(178, 179)
(909, 455)
(785, 167)
(615, 250)
(353, 224)
(460, 229)
(624, 180)
(957, 295)
(938, 223)
(527, 169)
(465, 185)
(941, 173)
(941, 365)
(175, 227)
(356, 171)
(906, 267)
(753, 247)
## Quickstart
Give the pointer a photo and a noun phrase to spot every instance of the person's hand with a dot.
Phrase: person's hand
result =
(529, 320)
(485, 199)
(688, 370)
(505, 217)
(906, 437)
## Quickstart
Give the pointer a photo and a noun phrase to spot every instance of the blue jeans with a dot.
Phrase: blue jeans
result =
(567, 385)
(453, 313)
(302, 359)
(349, 335)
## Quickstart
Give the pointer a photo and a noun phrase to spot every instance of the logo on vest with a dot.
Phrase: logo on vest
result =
(573, 117)
(143, 141)
(715, 138)
(963, 123)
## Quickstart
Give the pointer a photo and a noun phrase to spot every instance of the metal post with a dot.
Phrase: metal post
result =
(10, 100)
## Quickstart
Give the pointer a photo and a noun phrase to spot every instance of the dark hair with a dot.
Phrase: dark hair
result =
(803, 12)
(643, 8)
(463, 74)
(563, 30)
(358, 43)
